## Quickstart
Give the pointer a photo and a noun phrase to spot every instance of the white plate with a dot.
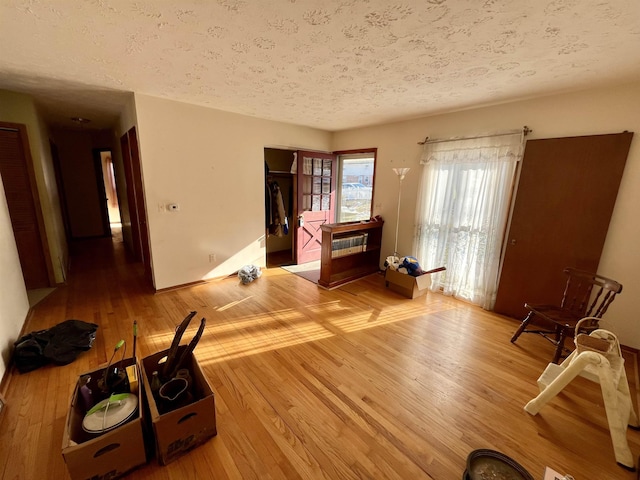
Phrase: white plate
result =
(110, 413)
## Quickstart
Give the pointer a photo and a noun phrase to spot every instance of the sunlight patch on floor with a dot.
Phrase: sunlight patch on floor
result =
(271, 331)
(232, 304)
(227, 337)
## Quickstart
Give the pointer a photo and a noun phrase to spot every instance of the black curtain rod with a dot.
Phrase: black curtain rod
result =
(526, 130)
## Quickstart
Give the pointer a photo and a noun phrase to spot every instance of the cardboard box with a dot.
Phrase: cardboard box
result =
(178, 431)
(109, 455)
(407, 285)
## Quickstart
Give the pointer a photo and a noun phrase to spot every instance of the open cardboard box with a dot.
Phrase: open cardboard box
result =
(408, 285)
(180, 430)
(109, 455)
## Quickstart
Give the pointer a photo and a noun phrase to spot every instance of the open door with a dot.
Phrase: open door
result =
(315, 206)
(135, 195)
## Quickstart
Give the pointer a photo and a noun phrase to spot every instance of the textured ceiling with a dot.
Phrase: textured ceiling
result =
(331, 64)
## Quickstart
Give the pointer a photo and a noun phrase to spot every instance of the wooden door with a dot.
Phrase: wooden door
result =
(566, 194)
(131, 197)
(18, 178)
(137, 206)
(140, 202)
(315, 205)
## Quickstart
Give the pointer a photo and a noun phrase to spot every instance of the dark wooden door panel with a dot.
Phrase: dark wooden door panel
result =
(22, 205)
(135, 198)
(131, 197)
(136, 168)
(566, 194)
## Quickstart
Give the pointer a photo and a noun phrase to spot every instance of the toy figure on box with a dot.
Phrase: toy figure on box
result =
(412, 266)
(407, 265)
(392, 262)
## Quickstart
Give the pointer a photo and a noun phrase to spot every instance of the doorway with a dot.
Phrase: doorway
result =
(110, 189)
(306, 185)
(279, 206)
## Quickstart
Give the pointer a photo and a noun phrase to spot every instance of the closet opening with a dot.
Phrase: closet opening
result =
(279, 206)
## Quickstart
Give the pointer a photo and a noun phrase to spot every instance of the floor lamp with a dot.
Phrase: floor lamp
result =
(401, 173)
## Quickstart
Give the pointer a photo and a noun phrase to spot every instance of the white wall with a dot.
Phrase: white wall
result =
(14, 303)
(211, 164)
(599, 111)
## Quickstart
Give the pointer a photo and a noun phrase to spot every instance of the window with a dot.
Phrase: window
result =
(356, 171)
(462, 209)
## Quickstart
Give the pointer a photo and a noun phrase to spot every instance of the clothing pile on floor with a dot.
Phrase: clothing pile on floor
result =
(60, 345)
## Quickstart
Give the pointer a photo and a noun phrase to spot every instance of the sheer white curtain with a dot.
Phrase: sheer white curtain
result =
(463, 204)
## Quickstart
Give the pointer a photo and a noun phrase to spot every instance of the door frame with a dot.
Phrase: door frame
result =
(365, 151)
(62, 194)
(297, 211)
(136, 199)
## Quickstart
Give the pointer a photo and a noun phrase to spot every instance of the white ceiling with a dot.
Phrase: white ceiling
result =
(330, 64)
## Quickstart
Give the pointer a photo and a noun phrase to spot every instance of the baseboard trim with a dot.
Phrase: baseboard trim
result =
(6, 377)
(179, 287)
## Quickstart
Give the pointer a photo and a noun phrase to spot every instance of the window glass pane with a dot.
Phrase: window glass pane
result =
(326, 168)
(306, 184)
(317, 166)
(315, 205)
(317, 185)
(307, 166)
(326, 185)
(355, 188)
(326, 202)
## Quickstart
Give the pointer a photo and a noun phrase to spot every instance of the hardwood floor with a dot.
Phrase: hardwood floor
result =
(356, 382)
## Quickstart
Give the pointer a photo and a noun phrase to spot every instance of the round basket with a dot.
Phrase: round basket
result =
(484, 463)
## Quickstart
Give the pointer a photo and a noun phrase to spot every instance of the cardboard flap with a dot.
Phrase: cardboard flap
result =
(423, 281)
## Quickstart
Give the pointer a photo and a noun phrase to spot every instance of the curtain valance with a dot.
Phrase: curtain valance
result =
(500, 147)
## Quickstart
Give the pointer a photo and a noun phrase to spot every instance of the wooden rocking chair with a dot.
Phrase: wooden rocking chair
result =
(585, 295)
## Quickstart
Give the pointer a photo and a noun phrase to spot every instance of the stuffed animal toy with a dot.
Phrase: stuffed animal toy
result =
(392, 262)
(412, 266)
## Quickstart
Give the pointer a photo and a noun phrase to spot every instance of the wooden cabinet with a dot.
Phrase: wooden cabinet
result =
(349, 251)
